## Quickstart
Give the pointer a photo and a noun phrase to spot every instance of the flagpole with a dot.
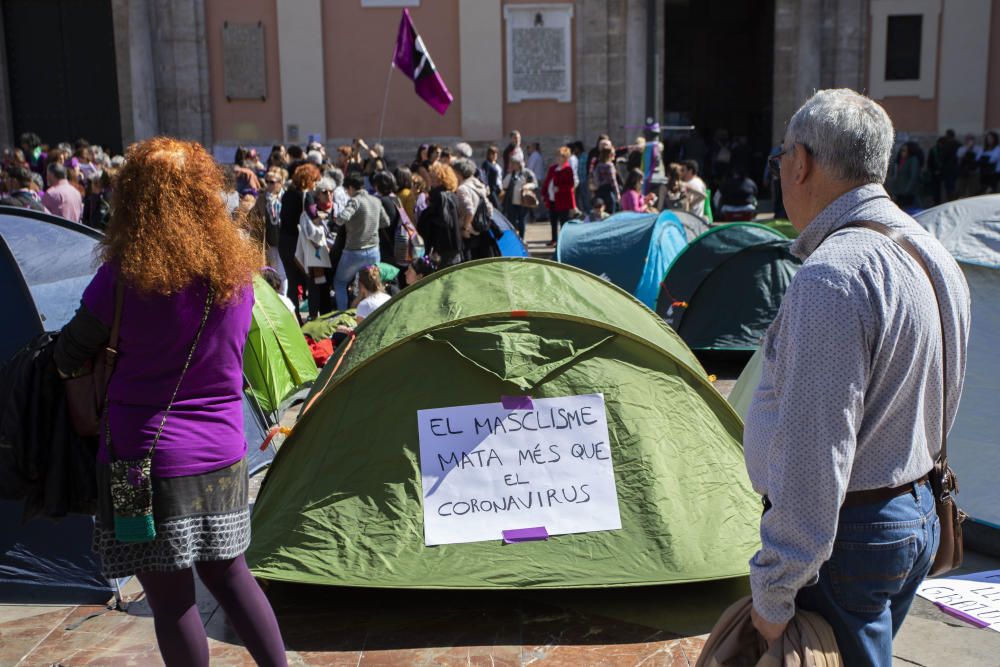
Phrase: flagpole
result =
(385, 100)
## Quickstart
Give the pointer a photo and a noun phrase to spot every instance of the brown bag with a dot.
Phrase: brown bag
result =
(86, 394)
(529, 196)
(808, 641)
(944, 484)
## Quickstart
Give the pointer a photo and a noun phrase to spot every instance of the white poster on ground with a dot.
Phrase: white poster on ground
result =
(970, 595)
(486, 469)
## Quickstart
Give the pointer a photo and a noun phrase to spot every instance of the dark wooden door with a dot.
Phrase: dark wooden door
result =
(61, 69)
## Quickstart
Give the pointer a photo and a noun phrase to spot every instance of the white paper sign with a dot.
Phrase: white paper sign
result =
(976, 595)
(486, 469)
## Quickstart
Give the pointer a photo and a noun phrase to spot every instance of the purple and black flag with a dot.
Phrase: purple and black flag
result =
(413, 60)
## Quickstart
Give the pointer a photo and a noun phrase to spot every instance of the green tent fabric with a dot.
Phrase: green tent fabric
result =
(724, 289)
(342, 503)
(783, 226)
(325, 326)
(276, 361)
(746, 385)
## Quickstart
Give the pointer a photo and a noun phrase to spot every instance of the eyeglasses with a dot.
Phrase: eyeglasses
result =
(271, 181)
(774, 162)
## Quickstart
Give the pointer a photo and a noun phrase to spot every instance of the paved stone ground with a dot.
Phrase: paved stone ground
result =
(662, 626)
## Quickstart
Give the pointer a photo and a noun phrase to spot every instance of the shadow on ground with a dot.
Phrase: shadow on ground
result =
(331, 619)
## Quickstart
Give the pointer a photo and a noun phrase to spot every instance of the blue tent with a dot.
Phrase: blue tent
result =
(45, 264)
(509, 243)
(632, 250)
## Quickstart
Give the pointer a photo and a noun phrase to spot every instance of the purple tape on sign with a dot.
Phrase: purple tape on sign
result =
(525, 535)
(516, 402)
(961, 615)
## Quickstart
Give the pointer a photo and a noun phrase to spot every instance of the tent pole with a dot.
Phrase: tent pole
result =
(385, 100)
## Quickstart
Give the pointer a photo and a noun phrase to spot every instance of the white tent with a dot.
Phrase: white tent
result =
(970, 230)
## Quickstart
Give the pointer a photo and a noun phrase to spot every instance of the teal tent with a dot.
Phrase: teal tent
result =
(343, 504)
(724, 289)
(632, 250)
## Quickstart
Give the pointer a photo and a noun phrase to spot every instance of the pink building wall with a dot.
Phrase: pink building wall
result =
(357, 49)
(243, 121)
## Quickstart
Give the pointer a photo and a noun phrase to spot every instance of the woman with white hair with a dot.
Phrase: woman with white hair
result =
(470, 195)
(520, 194)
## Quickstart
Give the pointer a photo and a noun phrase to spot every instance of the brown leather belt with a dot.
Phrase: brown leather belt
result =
(858, 498)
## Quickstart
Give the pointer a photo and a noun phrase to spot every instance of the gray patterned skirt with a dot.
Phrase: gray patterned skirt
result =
(198, 518)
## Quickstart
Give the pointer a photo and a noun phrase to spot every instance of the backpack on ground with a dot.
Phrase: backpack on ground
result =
(408, 244)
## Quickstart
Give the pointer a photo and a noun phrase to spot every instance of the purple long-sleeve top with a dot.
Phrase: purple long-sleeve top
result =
(204, 430)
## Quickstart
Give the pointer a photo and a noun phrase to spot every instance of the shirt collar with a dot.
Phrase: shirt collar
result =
(833, 217)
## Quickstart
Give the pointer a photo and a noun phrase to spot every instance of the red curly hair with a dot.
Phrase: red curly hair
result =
(169, 225)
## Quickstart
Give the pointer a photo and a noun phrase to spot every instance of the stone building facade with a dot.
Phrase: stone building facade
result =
(324, 67)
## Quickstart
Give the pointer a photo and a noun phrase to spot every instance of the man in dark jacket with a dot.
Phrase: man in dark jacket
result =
(20, 192)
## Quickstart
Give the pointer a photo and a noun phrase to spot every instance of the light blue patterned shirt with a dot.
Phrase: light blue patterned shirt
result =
(850, 390)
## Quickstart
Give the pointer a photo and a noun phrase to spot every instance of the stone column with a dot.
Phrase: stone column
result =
(300, 59)
(480, 29)
(635, 68)
(180, 60)
(798, 31)
(135, 70)
(616, 36)
(849, 45)
(591, 64)
(817, 44)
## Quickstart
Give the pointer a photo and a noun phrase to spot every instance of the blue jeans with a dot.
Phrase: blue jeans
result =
(881, 554)
(351, 261)
(516, 215)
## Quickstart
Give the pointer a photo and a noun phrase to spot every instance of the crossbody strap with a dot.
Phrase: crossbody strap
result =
(911, 250)
(116, 323)
(209, 299)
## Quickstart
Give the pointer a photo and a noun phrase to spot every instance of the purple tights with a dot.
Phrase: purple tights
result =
(180, 633)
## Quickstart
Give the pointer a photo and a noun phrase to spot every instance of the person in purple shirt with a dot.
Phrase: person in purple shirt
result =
(62, 198)
(185, 315)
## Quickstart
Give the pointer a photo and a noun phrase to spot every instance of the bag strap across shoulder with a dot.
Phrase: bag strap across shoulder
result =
(900, 239)
(116, 323)
(209, 300)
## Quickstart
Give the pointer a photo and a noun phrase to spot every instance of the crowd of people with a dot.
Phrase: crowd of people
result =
(322, 219)
(949, 170)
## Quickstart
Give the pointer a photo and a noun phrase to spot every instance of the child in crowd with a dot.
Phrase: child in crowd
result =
(420, 268)
(371, 292)
(598, 211)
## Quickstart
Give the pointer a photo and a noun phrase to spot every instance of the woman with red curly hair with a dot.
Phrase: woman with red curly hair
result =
(173, 422)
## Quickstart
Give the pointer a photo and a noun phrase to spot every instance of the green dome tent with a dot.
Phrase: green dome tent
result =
(276, 361)
(342, 502)
(724, 289)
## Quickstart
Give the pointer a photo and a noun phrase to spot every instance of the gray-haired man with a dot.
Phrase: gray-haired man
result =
(847, 419)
